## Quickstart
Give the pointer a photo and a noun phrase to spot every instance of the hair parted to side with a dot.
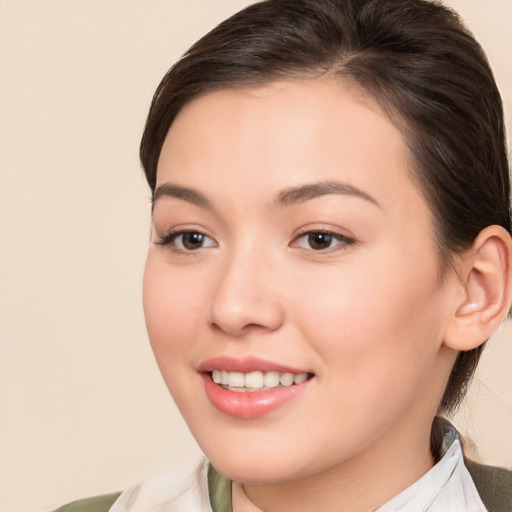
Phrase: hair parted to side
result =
(416, 58)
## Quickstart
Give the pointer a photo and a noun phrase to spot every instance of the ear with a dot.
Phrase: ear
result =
(486, 280)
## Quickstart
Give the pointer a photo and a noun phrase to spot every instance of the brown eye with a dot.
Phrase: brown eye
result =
(191, 240)
(320, 241)
(186, 241)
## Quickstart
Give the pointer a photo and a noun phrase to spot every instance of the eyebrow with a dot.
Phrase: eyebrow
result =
(303, 193)
(184, 193)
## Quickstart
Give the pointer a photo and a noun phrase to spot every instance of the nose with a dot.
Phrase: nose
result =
(247, 297)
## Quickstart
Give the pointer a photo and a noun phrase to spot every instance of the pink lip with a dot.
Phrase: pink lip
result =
(245, 365)
(248, 405)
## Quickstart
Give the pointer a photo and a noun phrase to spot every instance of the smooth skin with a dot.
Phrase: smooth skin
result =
(236, 268)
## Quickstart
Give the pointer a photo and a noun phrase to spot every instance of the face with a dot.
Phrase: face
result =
(291, 289)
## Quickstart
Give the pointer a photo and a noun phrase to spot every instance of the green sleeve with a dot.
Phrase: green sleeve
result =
(95, 504)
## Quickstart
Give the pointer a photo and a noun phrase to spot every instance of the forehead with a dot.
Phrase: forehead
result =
(286, 107)
(284, 134)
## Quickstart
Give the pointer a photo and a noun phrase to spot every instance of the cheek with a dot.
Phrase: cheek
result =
(172, 309)
(373, 317)
(377, 336)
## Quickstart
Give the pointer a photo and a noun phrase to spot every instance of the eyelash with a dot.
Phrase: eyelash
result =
(169, 240)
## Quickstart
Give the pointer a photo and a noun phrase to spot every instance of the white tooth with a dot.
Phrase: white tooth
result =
(271, 379)
(286, 379)
(217, 376)
(236, 389)
(300, 377)
(254, 380)
(224, 378)
(236, 379)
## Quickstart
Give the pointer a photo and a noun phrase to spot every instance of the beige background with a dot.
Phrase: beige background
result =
(82, 407)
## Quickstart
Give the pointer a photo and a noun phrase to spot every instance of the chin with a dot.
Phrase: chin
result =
(275, 462)
(249, 472)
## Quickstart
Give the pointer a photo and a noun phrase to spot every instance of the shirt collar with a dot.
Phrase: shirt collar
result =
(447, 487)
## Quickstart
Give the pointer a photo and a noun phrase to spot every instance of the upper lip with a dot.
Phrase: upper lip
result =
(245, 365)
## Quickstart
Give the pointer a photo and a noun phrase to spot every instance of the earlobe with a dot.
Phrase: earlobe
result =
(487, 283)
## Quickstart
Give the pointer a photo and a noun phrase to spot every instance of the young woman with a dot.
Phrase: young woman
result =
(330, 250)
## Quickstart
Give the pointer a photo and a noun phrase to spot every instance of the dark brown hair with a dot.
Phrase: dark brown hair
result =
(415, 57)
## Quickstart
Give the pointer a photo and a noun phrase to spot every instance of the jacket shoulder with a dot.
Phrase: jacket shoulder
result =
(494, 485)
(94, 504)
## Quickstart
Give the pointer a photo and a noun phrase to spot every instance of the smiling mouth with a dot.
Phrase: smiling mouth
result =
(256, 381)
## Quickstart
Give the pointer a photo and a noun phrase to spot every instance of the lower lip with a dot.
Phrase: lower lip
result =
(248, 405)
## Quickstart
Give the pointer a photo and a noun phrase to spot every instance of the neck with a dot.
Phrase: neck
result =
(360, 484)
